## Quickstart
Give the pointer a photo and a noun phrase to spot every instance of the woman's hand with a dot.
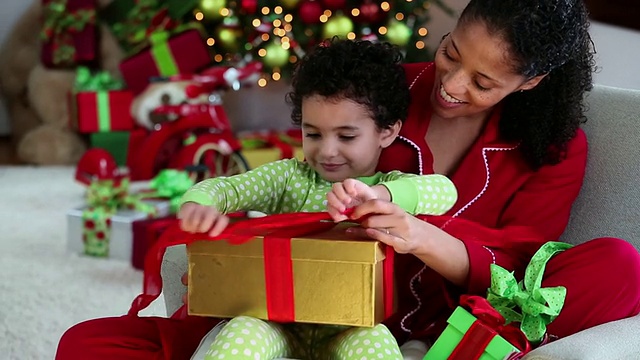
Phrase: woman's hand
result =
(196, 218)
(347, 194)
(388, 223)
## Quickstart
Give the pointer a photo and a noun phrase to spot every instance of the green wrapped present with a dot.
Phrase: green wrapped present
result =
(465, 333)
(514, 314)
(115, 142)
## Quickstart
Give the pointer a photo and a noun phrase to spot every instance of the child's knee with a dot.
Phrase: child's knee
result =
(367, 343)
(245, 337)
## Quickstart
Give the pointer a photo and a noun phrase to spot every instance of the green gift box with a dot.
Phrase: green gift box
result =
(459, 324)
(115, 142)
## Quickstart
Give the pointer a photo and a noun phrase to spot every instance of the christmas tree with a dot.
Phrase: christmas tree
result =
(278, 33)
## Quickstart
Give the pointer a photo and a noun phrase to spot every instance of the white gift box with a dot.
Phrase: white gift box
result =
(121, 237)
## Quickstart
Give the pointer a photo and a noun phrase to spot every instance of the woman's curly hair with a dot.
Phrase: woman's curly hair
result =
(545, 37)
(367, 73)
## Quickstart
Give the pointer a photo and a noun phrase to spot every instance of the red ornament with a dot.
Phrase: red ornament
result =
(96, 164)
(249, 6)
(100, 235)
(335, 4)
(310, 12)
(370, 12)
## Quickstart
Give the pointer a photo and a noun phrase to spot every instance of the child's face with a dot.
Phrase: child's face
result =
(341, 140)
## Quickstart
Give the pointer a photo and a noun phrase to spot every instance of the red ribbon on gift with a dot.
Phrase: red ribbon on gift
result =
(489, 324)
(277, 231)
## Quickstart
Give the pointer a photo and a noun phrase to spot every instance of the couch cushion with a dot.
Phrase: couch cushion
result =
(609, 203)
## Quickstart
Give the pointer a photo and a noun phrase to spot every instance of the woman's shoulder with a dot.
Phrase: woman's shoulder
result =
(419, 73)
(578, 145)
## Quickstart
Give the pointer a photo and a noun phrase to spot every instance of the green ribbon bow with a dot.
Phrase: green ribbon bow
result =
(526, 302)
(98, 81)
(104, 199)
(59, 26)
(170, 184)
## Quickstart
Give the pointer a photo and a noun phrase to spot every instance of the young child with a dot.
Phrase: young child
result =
(350, 98)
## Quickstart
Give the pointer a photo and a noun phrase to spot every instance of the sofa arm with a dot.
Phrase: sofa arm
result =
(174, 265)
(614, 340)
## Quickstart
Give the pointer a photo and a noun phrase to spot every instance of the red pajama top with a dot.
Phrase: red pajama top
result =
(504, 212)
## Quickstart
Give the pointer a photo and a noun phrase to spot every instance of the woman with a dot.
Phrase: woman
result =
(498, 112)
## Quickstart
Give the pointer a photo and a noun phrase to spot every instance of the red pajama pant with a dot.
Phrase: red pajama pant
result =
(602, 278)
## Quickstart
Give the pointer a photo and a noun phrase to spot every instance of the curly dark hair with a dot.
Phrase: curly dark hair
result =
(545, 37)
(367, 73)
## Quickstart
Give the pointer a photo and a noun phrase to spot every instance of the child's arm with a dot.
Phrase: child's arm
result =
(420, 194)
(416, 194)
(203, 207)
(260, 189)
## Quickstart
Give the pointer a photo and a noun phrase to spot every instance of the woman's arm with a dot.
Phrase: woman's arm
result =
(409, 235)
(536, 212)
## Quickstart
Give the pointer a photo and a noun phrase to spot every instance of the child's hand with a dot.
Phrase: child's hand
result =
(347, 194)
(196, 218)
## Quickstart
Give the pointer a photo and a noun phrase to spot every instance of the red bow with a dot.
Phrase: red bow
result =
(489, 324)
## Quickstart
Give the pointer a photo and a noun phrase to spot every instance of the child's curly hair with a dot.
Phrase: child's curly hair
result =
(545, 37)
(367, 73)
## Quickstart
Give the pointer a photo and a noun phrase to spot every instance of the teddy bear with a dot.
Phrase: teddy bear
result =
(36, 97)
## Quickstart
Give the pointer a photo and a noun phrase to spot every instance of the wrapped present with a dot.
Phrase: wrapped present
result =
(120, 144)
(131, 21)
(115, 142)
(291, 267)
(262, 147)
(69, 36)
(494, 334)
(320, 278)
(145, 233)
(484, 337)
(98, 104)
(102, 228)
(169, 54)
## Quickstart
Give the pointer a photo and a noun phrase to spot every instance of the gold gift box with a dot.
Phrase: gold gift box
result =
(261, 156)
(335, 281)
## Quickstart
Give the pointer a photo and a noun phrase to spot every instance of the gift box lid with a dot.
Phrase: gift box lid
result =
(334, 245)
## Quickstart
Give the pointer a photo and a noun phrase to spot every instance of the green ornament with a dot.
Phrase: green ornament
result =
(211, 8)
(338, 25)
(398, 33)
(276, 56)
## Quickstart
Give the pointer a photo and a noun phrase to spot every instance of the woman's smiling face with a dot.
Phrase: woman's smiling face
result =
(474, 72)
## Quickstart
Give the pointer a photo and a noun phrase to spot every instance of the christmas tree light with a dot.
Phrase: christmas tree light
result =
(278, 33)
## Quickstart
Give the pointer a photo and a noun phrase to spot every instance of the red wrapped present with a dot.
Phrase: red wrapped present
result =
(145, 234)
(97, 103)
(69, 35)
(169, 54)
(101, 111)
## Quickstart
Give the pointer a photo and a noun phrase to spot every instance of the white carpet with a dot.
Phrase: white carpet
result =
(43, 289)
